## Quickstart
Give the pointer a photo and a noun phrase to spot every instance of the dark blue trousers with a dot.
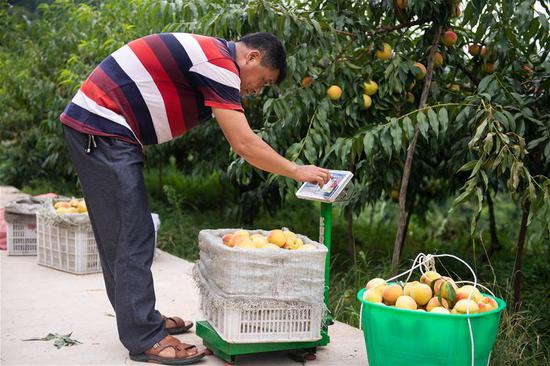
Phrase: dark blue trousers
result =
(111, 175)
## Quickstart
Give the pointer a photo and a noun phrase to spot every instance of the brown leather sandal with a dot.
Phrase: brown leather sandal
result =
(176, 325)
(184, 353)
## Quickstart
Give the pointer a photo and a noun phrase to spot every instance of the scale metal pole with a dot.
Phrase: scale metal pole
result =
(325, 233)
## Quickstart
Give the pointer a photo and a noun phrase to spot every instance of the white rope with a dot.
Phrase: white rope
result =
(426, 262)
(478, 285)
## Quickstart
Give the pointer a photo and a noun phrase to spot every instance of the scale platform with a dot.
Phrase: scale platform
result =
(331, 192)
(229, 351)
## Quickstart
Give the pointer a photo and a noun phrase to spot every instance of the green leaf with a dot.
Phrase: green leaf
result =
(422, 124)
(452, 294)
(488, 143)
(499, 116)
(468, 166)
(479, 195)
(484, 83)
(532, 191)
(476, 168)
(479, 131)
(443, 119)
(408, 127)
(396, 134)
(434, 123)
(310, 153)
(317, 26)
(368, 143)
(50, 336)
(385, 140)
(513, 181)
(536, 142)
(59, 339)
(463, 196)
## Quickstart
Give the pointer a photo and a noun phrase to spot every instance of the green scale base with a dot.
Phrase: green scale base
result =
(229, 351)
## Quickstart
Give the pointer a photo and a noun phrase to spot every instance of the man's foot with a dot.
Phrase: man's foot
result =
(170, 351)
(176, 325)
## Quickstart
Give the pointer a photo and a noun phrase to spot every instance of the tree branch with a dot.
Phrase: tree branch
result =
(388, 29)
(403, 214)
(468, 73)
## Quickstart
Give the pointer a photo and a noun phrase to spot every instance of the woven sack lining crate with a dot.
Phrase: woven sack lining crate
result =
(68, 248)
(265, 323)
(286, 275)
(21, 235)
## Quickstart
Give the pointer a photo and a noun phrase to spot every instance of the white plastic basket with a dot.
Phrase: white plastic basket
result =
(265, 323)
(21, 235)
(71, 249)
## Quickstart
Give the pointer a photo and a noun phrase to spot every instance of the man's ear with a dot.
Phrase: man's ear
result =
(253, 55)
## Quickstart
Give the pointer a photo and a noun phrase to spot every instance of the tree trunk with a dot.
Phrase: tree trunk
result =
(519, 255)
(495, 243)
(351, 239)
(403, 213)
(402, 244)
(409, 215)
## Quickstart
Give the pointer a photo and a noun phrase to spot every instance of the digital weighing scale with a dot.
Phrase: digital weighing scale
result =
(333, 191)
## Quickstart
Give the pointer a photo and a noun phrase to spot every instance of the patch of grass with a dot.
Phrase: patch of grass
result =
(518, 342)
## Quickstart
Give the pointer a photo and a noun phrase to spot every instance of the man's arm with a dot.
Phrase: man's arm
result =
(258, 153)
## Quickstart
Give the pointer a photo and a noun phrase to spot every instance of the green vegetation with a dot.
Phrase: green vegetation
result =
(453, 161)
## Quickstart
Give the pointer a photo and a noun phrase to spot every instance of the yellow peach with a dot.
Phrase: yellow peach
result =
(434, 302)
(408, 287)
(391, 293)
(242, 232)
(440, 310)
(227, 238)
(277, 237)
(271, 246)
(307, 247)
(466, 307)
(258, 240)
(379, 284)
(421, 293)
(429, 276)
(487, 304)
(465, 291)
(372, 295)
(245, 244)
(405, 302)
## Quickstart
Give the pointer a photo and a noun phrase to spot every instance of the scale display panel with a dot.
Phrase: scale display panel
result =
(330, 191)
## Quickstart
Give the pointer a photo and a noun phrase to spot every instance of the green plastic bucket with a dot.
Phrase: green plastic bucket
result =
(401, 337)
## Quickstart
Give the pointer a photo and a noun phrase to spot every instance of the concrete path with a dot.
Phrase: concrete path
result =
(37, 300)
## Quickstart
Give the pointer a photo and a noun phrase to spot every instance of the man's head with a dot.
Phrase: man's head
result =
(262, 61)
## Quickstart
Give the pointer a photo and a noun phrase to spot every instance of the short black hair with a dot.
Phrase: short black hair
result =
(273, 52)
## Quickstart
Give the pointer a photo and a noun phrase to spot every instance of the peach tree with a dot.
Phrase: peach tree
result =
(429, 100)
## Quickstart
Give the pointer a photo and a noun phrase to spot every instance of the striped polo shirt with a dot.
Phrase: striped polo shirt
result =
(155, 88)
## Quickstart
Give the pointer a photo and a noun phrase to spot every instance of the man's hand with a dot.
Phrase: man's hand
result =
(311, 174)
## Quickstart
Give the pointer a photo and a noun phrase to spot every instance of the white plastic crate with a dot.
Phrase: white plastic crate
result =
(263, 324)
(21, 235)
(70, 249)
